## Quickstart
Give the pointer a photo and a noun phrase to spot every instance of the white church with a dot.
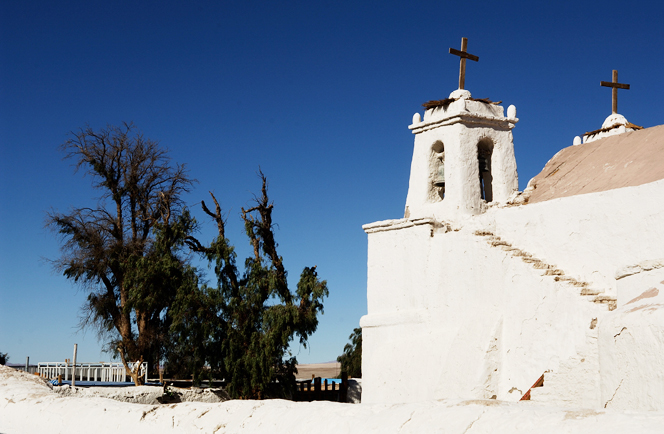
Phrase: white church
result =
(554, 294)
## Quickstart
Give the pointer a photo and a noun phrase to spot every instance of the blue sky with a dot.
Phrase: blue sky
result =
(317, 94)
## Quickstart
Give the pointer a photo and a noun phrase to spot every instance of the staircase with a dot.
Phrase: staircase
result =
(576, 381)
(584, 288)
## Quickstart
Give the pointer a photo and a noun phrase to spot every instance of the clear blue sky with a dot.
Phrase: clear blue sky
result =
(317, 94)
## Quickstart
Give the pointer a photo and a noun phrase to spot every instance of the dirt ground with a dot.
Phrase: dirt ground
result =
(323, 370)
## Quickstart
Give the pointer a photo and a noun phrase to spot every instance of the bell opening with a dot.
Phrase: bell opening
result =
(484, 153)
(437, 168)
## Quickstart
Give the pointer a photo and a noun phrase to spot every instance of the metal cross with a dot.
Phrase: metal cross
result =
(464, 55)
(614, 91)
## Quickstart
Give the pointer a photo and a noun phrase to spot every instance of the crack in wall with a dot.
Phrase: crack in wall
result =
(616, 335)
(614, 393)
(409, 419)
(473, 422)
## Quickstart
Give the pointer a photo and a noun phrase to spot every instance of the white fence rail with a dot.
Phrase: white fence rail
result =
(102, 372)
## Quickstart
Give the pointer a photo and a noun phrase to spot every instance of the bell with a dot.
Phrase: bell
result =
(439, 180)
(484, 164)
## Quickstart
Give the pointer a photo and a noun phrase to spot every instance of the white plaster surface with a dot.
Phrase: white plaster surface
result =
(576, 382)
(590, 236)
(472, 318)
(631, 348)
(614, 124)
(614, 119)
(511, 112)
(482, 299)
(632, 280)
(460, 93)
(28, 406)
(460, 127)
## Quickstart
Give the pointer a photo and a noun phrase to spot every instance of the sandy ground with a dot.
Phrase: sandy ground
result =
(323, 370)
(28, 405)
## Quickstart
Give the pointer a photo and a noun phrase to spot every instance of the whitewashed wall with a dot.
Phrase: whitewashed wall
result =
(450, 316)
(631, 346)
(460, 127)
(590, 236)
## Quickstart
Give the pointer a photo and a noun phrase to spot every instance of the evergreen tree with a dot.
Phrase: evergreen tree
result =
(257, 314)
(195, 335)
(351, 359)
(127, 250)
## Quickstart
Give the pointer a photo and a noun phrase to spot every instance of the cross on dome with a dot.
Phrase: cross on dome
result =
(614, 91)
(463, 55)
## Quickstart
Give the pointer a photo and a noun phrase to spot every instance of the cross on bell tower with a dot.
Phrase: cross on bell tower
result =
(463, 156)
(614, 91)
(463, 55)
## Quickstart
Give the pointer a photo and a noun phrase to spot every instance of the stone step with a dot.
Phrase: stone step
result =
(549, 270)
(610, 301)
(590, 291)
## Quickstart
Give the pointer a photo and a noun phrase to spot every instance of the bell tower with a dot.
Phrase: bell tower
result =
(463, 157)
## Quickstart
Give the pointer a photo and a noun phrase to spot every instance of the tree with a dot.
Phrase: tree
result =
(195, 336)
(127, 250)
(351, 359)
(4, 358)
(257, 314)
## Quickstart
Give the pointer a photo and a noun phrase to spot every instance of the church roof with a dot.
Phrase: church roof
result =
(624, 160)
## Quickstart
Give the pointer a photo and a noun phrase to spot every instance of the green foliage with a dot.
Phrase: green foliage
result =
(351, 359)
(146, 300)
(127, 251)
(257, 315)
(195, 335)
(4, 358)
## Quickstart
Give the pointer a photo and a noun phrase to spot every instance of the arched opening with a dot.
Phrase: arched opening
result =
(484, 153)
(437, 168)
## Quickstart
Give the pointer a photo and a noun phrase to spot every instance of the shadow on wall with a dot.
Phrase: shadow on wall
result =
(354, 391)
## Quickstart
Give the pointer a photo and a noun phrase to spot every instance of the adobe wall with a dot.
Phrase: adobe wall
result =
(631, 345)
(590, 236)
(460, 129)
(445, 306)
(450, 316)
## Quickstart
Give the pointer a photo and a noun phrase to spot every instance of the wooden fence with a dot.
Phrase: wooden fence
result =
(318, 389)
